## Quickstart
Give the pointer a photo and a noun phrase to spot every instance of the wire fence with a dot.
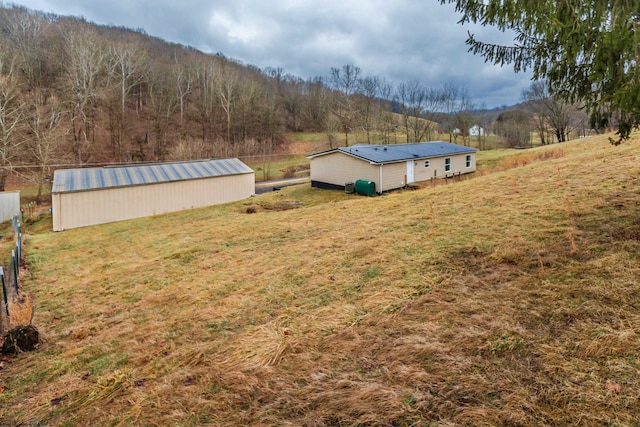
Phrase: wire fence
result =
(9, 275)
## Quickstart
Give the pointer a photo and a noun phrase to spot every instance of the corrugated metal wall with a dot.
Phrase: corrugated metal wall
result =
(9, 205)
(83, 208)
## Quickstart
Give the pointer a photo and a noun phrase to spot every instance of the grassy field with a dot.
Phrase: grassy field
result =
(510, 299)
(277, 167)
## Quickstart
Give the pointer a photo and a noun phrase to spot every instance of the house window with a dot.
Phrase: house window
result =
(426, 163)
(468, 160)
(447, 164)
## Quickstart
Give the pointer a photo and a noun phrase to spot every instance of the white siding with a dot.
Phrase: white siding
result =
(338, 169)
(9, 205)
(83, 208)
(394, 175)
(436, 167)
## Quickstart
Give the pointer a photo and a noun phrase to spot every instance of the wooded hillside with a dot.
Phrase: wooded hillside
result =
(73, 93)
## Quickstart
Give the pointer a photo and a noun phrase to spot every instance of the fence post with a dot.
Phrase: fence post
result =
(4, 292)
(17, 229)
(14, 263)
(18, 252)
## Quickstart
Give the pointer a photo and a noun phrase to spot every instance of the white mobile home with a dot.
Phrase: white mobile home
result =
(82, 197)
(390, 166)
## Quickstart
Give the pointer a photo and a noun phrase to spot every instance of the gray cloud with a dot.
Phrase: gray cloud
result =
(398, 40)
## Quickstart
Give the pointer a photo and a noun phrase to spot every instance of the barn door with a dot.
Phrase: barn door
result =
(410, 172)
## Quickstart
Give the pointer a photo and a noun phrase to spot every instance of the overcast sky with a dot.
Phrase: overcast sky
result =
(398, 40)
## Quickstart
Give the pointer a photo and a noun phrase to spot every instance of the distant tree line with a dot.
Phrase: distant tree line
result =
(72, 92)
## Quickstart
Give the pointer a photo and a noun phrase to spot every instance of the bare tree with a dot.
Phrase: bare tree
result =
(251, 110)
(85, 67)
(549, 110)
(458, 109)
(289, 92)
(450, 94)
(370, 89)
(580, 122)
(11, 118)
(163, 102)
(560, 114)
(25, 31)
(206, 98)
(383, 111)
(419, 106)
(534, 99)
(226, 85)
(483, 122)
(315, 108)
(266, 133)
(410, 97)
(464, 116)
(345, 81)
(45, 123)
(184, 87)
(434, 103)
(513, 126)
(127, 70)
(293, 102)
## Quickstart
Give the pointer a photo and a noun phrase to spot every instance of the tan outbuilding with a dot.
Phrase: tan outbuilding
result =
(389, 167)
(90, 196)
(9, 205)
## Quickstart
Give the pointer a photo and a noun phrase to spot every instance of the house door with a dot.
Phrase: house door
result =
(410, 172)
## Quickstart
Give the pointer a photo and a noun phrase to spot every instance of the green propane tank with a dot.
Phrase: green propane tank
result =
(367, 188)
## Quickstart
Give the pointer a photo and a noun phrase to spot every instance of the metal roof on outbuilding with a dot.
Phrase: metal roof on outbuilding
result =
(380, 154)
(69, 180)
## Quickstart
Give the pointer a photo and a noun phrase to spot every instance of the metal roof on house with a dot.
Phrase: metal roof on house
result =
(392, 153)
(68, 180)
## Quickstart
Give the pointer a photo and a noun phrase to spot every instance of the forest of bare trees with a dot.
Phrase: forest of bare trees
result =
(75, 93)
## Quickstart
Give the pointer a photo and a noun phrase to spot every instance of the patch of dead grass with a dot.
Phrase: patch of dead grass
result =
(21, 310)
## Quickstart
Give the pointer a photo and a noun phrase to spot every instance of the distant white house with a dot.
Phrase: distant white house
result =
(473, 131)
(476, 131)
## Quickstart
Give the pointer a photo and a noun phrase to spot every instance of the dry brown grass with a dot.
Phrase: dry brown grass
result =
(508, 299)
(20, 306)
(21, 310)
(521, 158)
